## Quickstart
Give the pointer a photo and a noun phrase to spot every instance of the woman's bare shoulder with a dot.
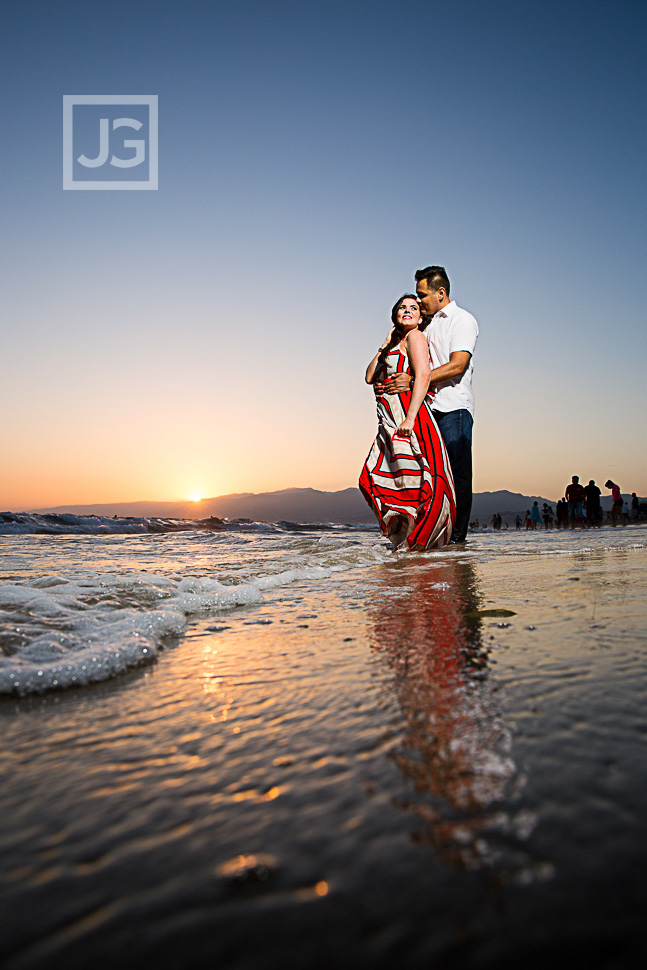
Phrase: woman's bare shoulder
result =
(415, 337)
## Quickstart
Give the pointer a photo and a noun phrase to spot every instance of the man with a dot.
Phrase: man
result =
(451, 336)
(575, 496)
(593, 509)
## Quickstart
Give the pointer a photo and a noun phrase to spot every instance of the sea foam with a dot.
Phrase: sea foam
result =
(61, 632)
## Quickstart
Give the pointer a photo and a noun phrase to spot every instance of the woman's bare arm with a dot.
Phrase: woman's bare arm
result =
(372, 367)
(418, 352)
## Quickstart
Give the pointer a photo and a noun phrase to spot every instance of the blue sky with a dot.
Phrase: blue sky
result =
(211, 337)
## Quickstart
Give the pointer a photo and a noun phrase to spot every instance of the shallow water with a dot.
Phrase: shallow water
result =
(80, 608)
(419, 761)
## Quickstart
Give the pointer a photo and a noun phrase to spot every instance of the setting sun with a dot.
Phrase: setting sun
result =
(194, 497)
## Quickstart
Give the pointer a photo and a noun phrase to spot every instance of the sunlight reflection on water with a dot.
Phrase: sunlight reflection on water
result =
(378, 734)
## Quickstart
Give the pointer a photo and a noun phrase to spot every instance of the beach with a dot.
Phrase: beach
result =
(369, 759)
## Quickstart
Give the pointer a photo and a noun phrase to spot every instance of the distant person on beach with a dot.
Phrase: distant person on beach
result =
(593, 509)
(635, 506)
(547, 516)
(575, 497)
(616, 496)
(407, 478)
(451, 336)
(517, 521)
(535, 515)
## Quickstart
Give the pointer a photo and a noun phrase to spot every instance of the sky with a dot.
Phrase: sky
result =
(211, 336)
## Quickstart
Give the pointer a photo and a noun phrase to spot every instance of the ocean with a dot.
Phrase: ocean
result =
(85, 598)
(250, 745)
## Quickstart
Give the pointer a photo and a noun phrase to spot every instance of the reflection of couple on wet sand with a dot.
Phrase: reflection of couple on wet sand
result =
(453, 740)
(418, 475)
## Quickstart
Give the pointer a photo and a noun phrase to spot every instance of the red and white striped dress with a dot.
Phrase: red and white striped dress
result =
(408, 481)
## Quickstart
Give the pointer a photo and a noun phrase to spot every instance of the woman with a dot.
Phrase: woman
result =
(407, 479)
(616, 495)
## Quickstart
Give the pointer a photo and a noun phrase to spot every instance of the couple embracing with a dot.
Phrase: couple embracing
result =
(418, 475)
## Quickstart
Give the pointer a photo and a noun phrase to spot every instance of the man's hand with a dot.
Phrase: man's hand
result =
(394, 385)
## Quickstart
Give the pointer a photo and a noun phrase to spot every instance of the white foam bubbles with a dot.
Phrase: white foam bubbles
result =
(288, 576)
(195, 595)
(64, 632)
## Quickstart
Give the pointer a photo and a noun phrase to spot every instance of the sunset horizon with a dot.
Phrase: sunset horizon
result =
(195, 503)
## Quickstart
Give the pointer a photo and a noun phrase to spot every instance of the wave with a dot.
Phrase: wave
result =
(68, 632)
(96, 613)
(78, 612)
(31, 523)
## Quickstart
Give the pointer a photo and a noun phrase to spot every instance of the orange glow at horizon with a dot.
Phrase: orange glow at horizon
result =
(322, 445)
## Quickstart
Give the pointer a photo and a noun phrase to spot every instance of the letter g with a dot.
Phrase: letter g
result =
(138, 144)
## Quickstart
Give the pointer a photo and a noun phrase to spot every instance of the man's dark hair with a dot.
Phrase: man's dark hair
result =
(435, 277)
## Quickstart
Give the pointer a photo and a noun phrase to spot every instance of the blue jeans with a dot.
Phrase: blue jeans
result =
(456, 429)
(575, 511)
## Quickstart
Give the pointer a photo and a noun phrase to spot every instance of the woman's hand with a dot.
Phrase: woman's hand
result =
(372, 367)
(405, 428)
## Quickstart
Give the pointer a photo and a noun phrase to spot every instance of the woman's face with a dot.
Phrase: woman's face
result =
(408, 315)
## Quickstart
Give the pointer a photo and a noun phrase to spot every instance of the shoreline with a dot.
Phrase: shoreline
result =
(638, 524)
(417, 776)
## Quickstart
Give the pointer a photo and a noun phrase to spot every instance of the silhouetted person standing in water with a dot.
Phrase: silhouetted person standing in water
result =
(575, 496)
(593, 510)
(616, 495)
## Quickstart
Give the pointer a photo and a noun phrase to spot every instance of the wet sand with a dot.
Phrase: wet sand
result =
(433, 763)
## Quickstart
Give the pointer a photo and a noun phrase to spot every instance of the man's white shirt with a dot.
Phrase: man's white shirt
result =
(453, 328)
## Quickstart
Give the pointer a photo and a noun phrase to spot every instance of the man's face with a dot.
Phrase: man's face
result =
(430, 300)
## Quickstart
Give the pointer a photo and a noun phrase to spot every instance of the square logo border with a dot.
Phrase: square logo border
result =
(69, 100)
